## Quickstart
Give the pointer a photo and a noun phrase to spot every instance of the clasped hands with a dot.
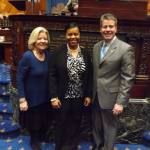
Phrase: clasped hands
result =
(56, 103)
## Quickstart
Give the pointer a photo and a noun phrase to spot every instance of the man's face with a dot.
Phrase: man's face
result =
(108, 30)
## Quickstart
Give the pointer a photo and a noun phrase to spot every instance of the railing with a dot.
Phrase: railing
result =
(5, 23)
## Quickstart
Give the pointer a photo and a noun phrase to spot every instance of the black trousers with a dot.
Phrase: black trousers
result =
(68, 119)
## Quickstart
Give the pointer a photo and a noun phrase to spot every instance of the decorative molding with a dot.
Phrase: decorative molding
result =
(148, 8)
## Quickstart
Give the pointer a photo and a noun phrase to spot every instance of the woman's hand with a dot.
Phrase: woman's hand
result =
(23, 105)
(55, 103)
(87, 101)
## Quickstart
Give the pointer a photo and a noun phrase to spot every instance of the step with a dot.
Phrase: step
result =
(18, 143)
(6, 111)
(4, 88)
(146, 137)
(5, 76)
(8, 128)
(5, 98)
(4, 80)
(5, 117)
(6, 108)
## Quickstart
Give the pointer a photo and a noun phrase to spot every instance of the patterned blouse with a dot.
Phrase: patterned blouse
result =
(76, 67)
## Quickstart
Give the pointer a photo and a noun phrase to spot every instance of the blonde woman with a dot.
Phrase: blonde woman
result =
(32, 77)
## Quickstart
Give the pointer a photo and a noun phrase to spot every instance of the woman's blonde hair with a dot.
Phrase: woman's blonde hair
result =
(34, 36)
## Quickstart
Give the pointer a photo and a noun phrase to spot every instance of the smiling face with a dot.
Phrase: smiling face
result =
(108, 29)
(42, 42)
(73, 37)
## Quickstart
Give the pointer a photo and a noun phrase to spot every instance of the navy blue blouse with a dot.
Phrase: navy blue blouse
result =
(32, 79)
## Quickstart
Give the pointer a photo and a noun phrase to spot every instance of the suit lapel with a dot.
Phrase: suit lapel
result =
(110, 51)
(97, 53)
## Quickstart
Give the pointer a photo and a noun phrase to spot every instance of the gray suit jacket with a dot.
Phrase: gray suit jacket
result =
(114, 74)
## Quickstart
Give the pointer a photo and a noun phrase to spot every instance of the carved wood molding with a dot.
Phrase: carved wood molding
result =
(148, 8)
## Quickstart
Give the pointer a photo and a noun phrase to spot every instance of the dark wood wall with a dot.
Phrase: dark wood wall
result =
(123, 9)
(135, 32)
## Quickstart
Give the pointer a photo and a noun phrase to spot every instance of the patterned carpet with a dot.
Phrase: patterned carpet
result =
(22, 143)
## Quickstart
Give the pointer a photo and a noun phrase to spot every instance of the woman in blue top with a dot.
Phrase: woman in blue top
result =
(32, 83)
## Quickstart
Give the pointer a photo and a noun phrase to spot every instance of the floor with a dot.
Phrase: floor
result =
(22, 143)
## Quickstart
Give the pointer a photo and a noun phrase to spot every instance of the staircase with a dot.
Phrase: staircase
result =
(8, 127)
(10, 135)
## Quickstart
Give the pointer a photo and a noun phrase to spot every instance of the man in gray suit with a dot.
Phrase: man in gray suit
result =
(114, 73)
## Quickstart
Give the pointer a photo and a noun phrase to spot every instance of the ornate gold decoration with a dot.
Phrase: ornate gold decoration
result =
(7, 9)
(148, 8)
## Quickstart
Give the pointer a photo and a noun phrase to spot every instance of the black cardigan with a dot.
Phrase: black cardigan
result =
(58, 74)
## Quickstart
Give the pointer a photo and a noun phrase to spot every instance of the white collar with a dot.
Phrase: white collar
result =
(78, 48)
(109, 43)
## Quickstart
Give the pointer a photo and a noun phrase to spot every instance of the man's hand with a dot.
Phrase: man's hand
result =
(118, 109)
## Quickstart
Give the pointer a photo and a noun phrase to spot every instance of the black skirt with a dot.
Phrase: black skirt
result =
(37, 117)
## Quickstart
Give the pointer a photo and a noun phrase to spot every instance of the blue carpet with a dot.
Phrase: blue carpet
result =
(23, 143)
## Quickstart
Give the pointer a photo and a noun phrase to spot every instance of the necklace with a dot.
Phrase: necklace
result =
(39, 56)
(73, 52)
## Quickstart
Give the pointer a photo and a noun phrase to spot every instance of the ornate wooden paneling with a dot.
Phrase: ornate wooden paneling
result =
(123, 9)
(6, 46)
(137, 33)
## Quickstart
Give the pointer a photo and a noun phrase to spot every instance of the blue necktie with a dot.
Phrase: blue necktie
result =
(103, 51)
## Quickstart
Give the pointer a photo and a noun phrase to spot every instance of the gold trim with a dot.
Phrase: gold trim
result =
(148, 8)
(142, 77)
